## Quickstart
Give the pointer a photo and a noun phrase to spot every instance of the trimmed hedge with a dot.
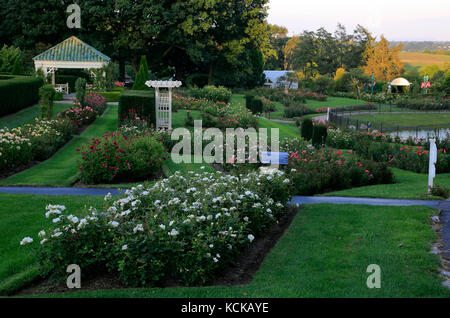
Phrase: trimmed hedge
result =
(18, 92)
(254, 103)
(142, 102)
(111, 96)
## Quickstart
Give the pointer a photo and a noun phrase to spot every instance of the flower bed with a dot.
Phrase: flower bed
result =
(79, 115)
(184, 228)
(317, 171)
(117, 157)
(32, 142)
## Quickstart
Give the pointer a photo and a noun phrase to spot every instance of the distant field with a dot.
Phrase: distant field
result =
(419, 59)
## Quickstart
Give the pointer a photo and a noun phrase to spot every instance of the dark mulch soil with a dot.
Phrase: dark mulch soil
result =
(240, 272)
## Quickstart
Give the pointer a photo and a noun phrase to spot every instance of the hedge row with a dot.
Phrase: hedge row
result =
(18, 92)
(254, 103)
(141, 102)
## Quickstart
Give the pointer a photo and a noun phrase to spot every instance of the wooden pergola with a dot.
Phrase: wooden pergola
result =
(71, 53)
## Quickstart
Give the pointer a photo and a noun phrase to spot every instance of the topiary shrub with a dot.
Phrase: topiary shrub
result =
(80, 88)
(46, 96)
(254, 103)
(319, 135)
(142, 75)
(307, 129)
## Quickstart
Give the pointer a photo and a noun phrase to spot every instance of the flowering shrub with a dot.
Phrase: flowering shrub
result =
(32, 142)
(212, 93)
(183, 228)
(46, 136)
(115, 157)
(79, 115)
(317, 171)
(297, 111)
(95, 101)
(119, 84)
(191, 103)
(412, 158)
(338, 138)
(15, 150)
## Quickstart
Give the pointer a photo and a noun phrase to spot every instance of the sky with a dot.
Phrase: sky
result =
(400, 20)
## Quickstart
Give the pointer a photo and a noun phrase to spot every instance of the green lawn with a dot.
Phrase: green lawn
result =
(325, 253)
(409, 185)
(406, 119)
(24, 215)
(285, 129)
(334, 102)
(62, 168)
(27, 115)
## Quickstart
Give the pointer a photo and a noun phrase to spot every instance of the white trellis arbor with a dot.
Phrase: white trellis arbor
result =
(163, 102)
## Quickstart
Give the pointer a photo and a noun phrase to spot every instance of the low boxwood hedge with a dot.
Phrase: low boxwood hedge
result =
(142, 102)
(18, 92)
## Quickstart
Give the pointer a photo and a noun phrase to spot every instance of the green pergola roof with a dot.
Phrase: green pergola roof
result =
(72, 49)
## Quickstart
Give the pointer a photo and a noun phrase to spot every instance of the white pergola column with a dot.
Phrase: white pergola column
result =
(163, 103)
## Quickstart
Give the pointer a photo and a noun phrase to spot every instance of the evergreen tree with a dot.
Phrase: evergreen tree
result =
(142, 75)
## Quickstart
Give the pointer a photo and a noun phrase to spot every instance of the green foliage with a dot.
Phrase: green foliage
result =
(142, 103)
(440, 191)
(212, 93)
(154, 234)
(142, 75)
(325, 84)
(115, 157)
(18, 67)
(319, 135)
(307, 129)
(254, 103)
(297, 111)
(111, 96)
(80, 88)
(317, 171)
(18, 92)
(46, 97)
(103, 78)
(9, 56)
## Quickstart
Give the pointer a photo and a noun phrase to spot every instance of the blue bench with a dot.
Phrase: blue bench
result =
(279, 158)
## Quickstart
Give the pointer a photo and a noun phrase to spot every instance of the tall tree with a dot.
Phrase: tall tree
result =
(382, 61)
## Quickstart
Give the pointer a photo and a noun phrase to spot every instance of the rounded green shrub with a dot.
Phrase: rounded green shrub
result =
(307, 129)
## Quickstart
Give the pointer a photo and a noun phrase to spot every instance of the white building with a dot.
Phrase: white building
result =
(278, 79)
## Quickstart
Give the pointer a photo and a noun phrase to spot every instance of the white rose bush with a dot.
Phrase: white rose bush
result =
(184, 228)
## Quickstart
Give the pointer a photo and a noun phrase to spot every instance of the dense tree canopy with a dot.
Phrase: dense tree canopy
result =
(213, 37)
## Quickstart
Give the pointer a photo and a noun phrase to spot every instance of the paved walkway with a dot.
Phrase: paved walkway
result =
(440, 204)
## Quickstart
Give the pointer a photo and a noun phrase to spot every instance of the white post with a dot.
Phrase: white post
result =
(170, 109)
(157, 108)
(432, 164)
(328, 114)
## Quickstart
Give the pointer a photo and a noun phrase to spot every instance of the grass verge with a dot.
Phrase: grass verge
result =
(325, 253)
(409, 185)
(62, 168)
(20, 216)
(27, 115)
